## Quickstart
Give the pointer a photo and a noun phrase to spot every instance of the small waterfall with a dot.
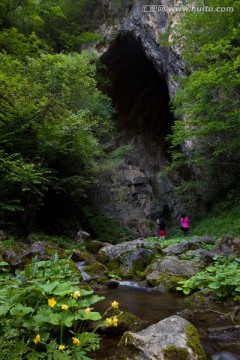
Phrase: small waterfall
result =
(132, 284)
(81, 265)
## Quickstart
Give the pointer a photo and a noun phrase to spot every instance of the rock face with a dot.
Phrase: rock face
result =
(171, 338)
(143, 74)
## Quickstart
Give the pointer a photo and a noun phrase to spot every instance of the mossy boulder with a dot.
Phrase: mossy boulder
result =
(173, 338)
(78, 256)
(93, 246)
(166, 280)
(18, 257)
(96, 271)
(129, 259)
(168, 271)
(126, 322)
(192, 244)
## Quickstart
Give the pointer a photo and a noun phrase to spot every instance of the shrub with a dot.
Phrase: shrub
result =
(45, 314)
(222, 278)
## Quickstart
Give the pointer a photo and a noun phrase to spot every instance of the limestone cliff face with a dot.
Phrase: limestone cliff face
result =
(143, 80)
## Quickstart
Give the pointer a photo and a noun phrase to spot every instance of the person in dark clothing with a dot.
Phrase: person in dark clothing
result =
(161, 228)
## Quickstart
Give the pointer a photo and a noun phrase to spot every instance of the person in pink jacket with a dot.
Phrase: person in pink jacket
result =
(184, 224)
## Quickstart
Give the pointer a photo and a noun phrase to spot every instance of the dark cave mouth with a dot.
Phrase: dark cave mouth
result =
(139, 94)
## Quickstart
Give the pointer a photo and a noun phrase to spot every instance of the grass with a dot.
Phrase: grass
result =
(221, 220)
(224, 218)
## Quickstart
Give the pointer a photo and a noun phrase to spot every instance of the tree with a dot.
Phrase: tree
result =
(207, 105)
(52, 118)
(62, 25)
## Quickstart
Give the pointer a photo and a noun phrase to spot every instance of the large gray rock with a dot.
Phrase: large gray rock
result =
(228, 245)
(129, 256)
(171, 338)
(169, 270)
(18, 257)
(111, 252)
(191, 244)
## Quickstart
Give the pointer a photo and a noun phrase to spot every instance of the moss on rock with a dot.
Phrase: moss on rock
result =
(173, 352)
(95, 269)
(169, 281)
(194, 343)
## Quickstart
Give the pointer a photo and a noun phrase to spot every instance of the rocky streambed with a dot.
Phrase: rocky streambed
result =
(154, 303)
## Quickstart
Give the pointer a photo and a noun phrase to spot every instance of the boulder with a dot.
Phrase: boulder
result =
(78, 256)
(228, 246)
(129, 258)
(82, 235)
(93, 246)
(169, 270)
(191, 244)
(18, 257)
(126, 322)
(203, 255)
(229, 334)
(171, 338)
(112, 252)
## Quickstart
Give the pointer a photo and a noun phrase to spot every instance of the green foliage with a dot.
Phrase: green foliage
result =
(52, 118)
(166, 242)
(63, 242)
(108, 230)
(61, 23)
(222, 278)
(44, 314)
(53, 115)
(223, 218)
(207, 106)
(19, 45)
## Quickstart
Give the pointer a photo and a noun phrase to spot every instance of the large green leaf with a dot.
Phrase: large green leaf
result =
(20, 310)
(67, 287)
(91, 315)
(4, 309)
(48, 287)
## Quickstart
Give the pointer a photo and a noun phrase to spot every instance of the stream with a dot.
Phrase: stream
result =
(154, 306)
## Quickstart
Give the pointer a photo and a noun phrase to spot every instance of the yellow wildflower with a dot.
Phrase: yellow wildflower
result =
(37, 339)
(87, 310)
(65, 307)
(112, 321)
(52, 302)
(61, 347)
(115, 321)
(76, 341)
(76, 295)
(115, 304)
(108, 322)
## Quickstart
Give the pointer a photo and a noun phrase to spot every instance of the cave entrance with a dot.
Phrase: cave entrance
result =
(139, 94)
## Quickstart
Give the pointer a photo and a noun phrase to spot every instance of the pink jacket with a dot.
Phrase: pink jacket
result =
(184, 222)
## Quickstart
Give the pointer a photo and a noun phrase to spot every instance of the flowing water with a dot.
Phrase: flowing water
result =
(154, 306)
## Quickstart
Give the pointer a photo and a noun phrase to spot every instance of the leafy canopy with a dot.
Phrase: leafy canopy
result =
(206, 131)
